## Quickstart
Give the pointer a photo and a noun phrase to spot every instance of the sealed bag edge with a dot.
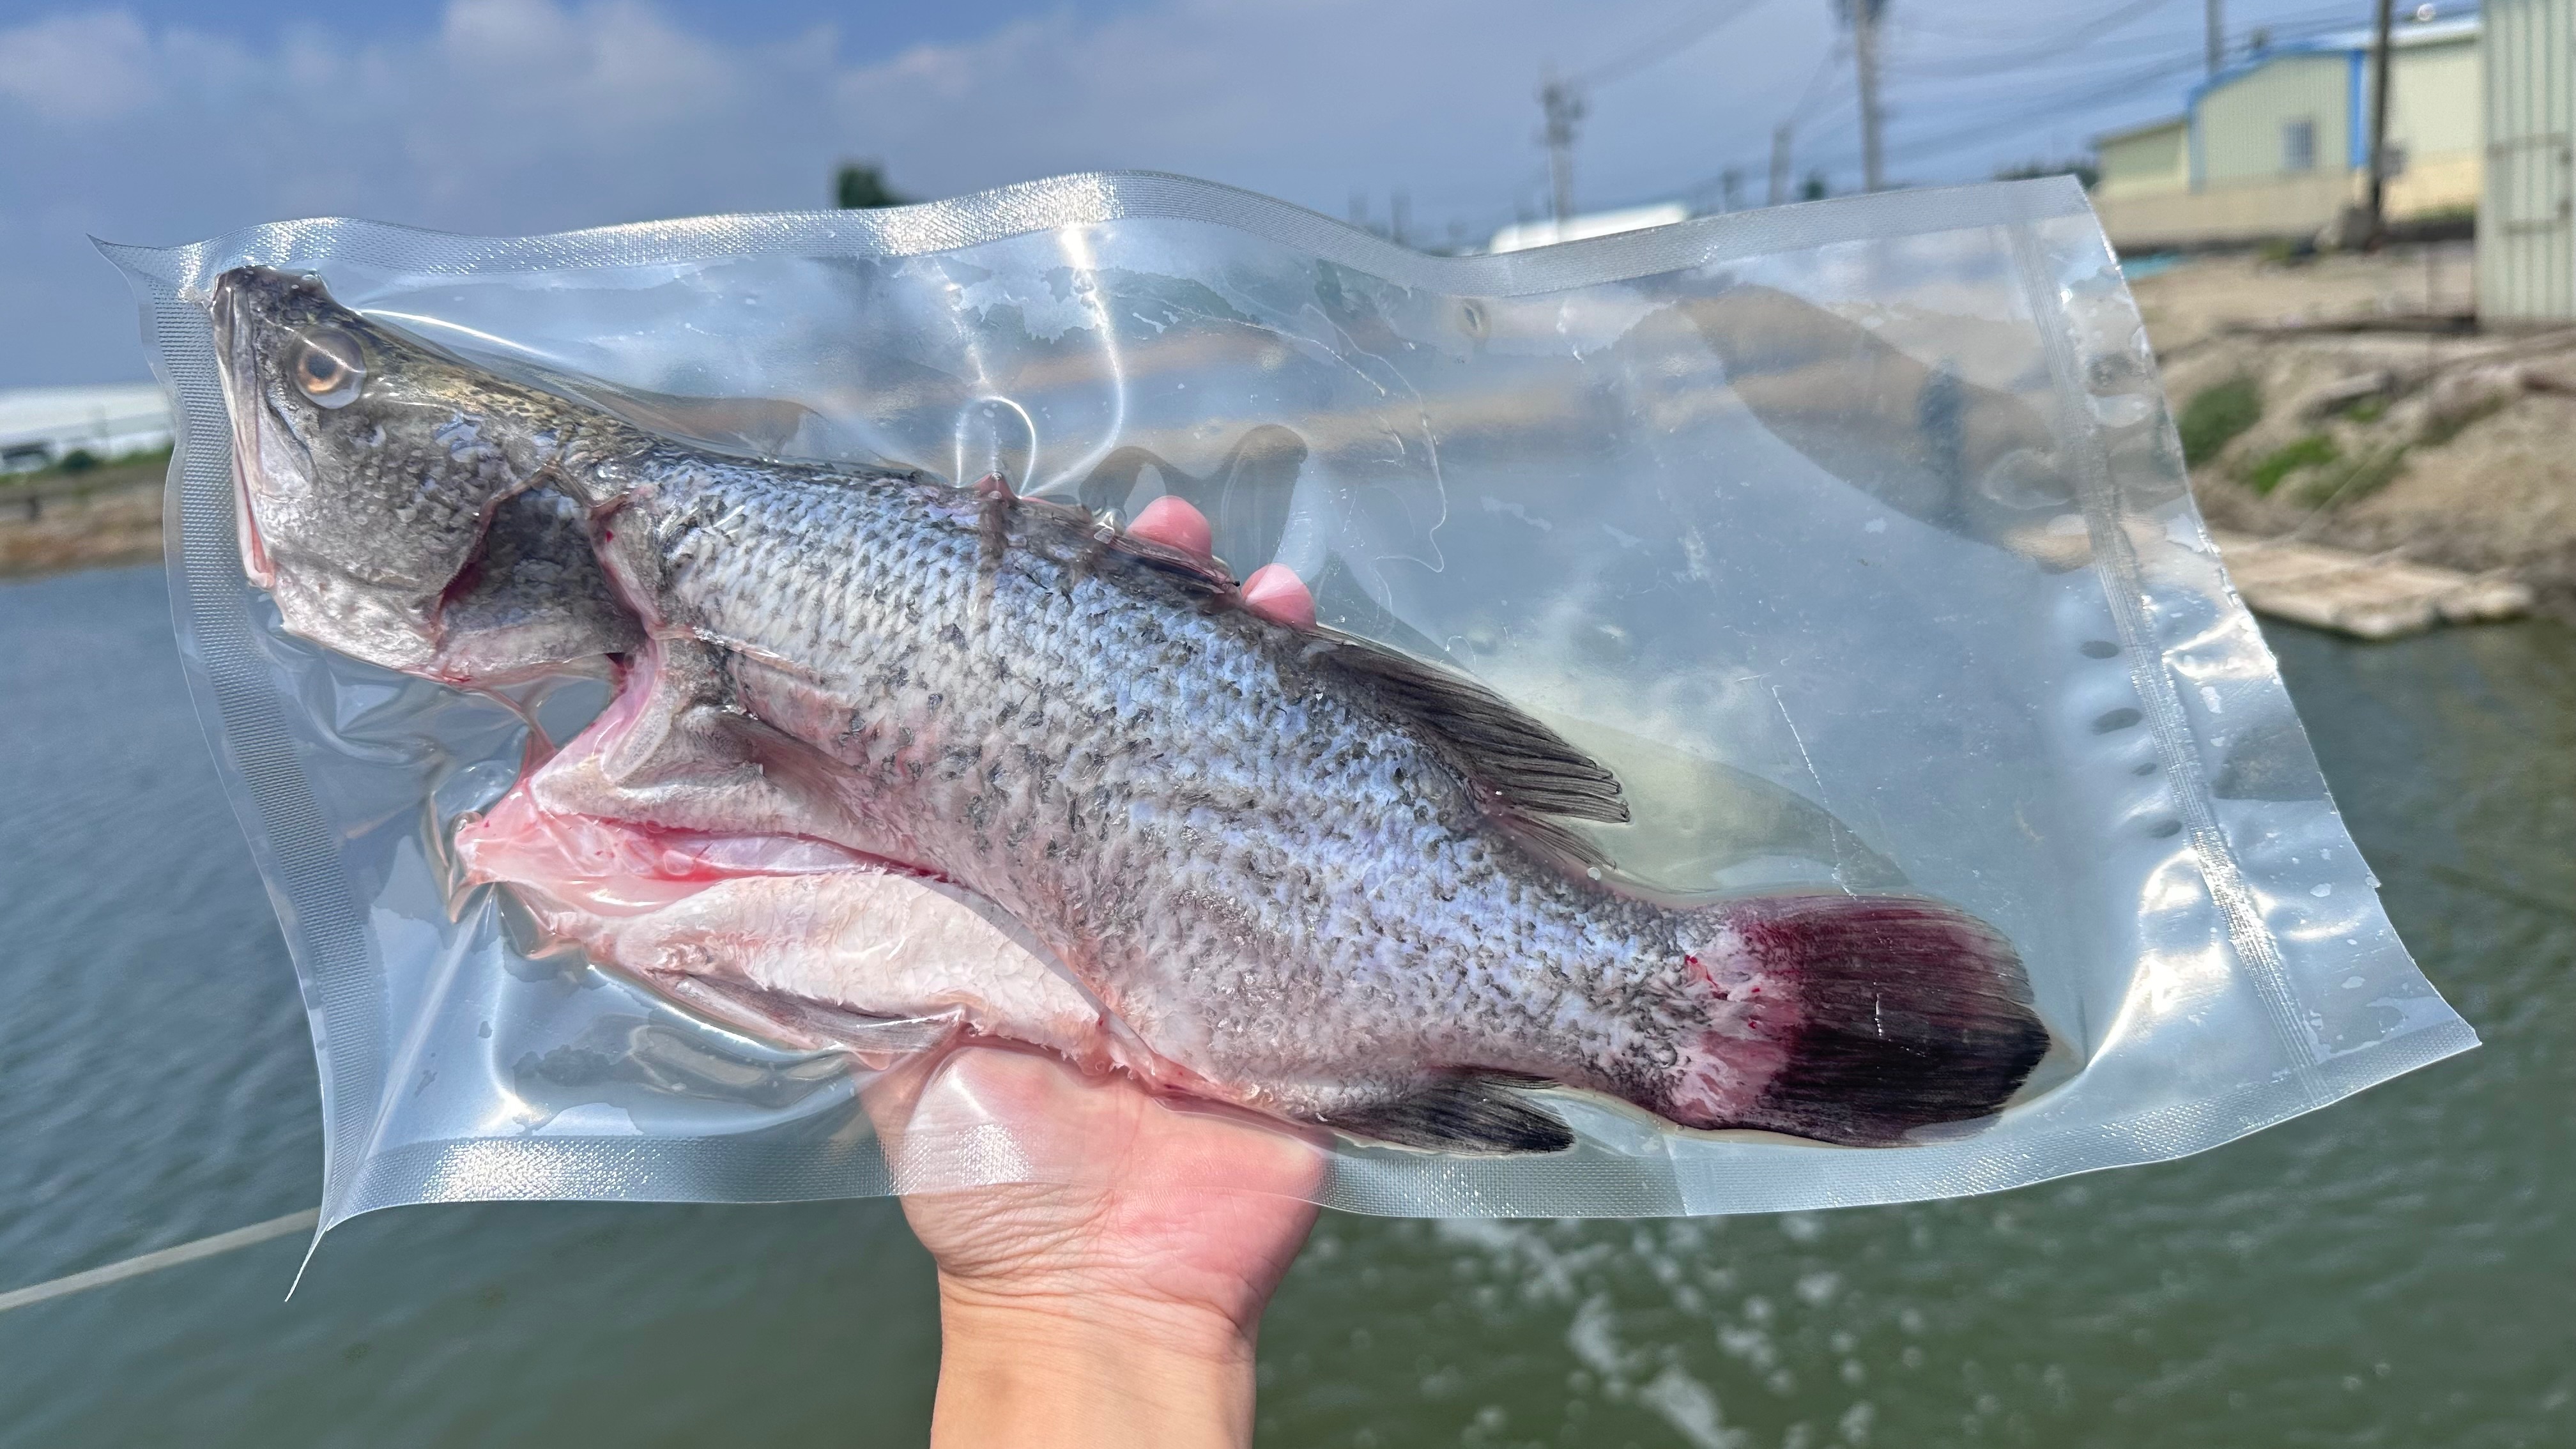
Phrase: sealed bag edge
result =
(326, 931)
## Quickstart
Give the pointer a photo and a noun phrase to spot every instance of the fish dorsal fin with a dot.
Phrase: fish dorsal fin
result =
(1520, 766)
(1092, 544)
(1199, 575)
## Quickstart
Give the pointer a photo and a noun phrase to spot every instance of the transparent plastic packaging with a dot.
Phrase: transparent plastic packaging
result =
(1852, 538)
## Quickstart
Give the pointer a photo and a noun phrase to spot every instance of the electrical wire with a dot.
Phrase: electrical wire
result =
(2055, 48)
(1671, 43)
(2088, 94)
(1827, 95)
(2093, 92)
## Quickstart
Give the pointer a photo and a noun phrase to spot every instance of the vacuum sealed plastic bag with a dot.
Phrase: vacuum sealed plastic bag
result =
(1734, 717)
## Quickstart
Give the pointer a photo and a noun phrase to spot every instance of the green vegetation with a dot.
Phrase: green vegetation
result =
(2360, 478)
(859, 186)
(2217, 416)
(2083, 168)
(2325, 476)
(2368, 410)
(2282, 253)
(81, 461)
(2313, 451)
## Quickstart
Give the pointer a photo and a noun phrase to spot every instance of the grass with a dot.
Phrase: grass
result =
(2217, 416)
(81, 461)
(2326, 477)
(2357, 479)
(2313, 451)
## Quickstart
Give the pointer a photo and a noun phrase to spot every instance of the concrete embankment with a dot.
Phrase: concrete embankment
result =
(56, 521)
(2362, 595)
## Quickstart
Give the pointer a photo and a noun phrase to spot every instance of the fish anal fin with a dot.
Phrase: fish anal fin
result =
(1461, 1112)
(1548, 837)
(1524, 767)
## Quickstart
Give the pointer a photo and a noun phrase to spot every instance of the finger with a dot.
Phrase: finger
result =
(1276, 593)
(1173, 523)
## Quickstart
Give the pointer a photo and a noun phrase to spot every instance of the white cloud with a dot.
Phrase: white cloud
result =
(78, 68)
(534, 115)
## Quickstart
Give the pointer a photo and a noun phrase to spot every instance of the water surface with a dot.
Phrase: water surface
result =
(2391, 1271)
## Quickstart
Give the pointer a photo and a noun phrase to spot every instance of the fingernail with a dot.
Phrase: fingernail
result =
(1276, 593)
(1172, 521)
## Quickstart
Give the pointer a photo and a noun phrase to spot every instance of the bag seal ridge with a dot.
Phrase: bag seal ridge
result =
(2258, 952)
(252, 749)
(1097, 198)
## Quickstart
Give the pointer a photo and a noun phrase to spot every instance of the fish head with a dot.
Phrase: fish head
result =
(369, 468)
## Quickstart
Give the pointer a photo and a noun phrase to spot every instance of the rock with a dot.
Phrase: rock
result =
(2358, 594)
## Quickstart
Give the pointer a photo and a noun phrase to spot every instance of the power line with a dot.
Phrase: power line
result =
(1562, 102)
(1660, 47)
(2062, 103)
(1913, 23)
(1819, 85)
(2088, 95)
(1824, 99)
(2055, 48)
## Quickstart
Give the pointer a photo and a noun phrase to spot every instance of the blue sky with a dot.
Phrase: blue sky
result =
(160, 121)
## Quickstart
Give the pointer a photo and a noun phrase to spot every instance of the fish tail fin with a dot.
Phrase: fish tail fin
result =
(1852, 1019)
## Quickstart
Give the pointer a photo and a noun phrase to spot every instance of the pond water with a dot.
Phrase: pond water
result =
(2393, 1270)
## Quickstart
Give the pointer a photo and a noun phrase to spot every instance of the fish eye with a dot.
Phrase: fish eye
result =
(328, 367)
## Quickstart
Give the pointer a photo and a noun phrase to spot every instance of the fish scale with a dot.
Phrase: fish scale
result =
(1297, 871)
(1270, 776)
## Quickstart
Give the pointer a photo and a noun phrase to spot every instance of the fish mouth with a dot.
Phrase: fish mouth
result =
(237, 370)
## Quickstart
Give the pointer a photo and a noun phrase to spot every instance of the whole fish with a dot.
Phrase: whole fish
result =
(886, 747)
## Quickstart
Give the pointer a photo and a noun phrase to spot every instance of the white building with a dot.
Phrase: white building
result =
(2278, 145)
(41, 426)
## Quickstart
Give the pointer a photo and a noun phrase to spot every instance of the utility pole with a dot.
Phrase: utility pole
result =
(1862, 16)
(2217, 35)
(1779, 164)
(1563, 104)
(2378, 233)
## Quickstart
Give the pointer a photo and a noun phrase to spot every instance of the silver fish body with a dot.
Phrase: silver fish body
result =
(1279, 867)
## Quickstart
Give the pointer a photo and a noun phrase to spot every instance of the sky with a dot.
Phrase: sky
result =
(158, 121)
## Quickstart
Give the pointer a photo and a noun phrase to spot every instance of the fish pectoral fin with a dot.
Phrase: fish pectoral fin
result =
(683, 760)
(802, 1022)
(1525, 767)
(1461, 1112)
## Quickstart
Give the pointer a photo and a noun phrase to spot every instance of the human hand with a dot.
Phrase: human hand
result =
(1117, 1302)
